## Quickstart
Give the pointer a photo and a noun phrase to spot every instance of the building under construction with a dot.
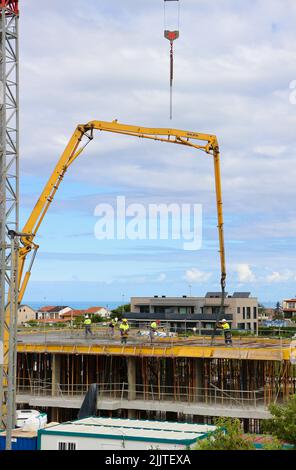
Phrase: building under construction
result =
(192, 380)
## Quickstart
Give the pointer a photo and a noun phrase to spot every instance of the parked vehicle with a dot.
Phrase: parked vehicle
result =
(30, 419)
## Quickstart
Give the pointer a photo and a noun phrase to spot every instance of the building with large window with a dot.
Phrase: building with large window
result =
(241, 311)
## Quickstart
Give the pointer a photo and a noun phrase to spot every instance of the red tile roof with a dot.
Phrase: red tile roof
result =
(46, 309)
(73, 313)
(93, 309)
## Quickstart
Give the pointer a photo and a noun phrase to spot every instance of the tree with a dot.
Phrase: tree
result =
(274, 444)
(283, 423)
(78, 320)
(278, 313)
(227, 436)
(261, 310)
(118, 312)
(261, 306)
(97, 319)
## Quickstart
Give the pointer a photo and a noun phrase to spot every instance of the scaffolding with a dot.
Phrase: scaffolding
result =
(204, 382)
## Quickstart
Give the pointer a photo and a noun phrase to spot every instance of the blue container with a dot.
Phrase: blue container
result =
(20, 443)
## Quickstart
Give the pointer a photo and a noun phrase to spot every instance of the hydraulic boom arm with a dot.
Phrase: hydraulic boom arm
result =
(80, 138)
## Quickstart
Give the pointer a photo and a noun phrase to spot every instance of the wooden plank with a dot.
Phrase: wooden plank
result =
(266, 355)
(230, 354)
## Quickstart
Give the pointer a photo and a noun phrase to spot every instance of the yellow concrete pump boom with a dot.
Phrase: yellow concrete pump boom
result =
(74, 149)
(82, 135)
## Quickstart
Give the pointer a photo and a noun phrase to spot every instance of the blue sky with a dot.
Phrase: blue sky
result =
(234, 62)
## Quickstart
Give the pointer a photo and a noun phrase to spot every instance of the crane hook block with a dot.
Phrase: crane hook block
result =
(171, 35)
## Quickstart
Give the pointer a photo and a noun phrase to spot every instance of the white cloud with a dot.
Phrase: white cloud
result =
(194, 275)
(251, 63)
(162, 277)
(245, 273)
(271, 150)
(280, 277)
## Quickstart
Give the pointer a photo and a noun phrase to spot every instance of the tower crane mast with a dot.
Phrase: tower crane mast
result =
(9, 205)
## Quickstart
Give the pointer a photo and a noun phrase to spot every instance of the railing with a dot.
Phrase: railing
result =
(34, 387)
(102, 331)
(212, 395)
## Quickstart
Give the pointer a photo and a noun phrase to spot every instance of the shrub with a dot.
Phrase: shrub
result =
(283, 423)
(227, 436)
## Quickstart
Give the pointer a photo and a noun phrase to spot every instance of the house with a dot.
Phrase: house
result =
(241, 311)
(51, 312)
(265, 314)
(42, 312)
(289, 308)
(101, 311)
(25, 313)
(72, 314)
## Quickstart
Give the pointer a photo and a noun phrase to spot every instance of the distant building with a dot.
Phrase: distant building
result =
(241, 311)
(266, 314)
(25, 313)
(270, 312)
(275, 323)
(41, 312)
(101, 311)
(289, 308)
(51, 313)
(72, 314)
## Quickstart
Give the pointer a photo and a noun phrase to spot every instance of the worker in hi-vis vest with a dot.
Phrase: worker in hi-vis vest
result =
(112, 326)
(153, 329)
(227, 333)
(87, 325)
(124, 328)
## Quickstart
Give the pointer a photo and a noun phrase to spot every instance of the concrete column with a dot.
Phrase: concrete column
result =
(54, 415)
(131, 377)
(55, 373)
(198, 371)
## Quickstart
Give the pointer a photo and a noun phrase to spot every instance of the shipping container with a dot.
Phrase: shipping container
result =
(20, 440)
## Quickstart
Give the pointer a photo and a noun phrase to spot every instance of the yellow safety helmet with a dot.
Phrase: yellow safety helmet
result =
(124, 319)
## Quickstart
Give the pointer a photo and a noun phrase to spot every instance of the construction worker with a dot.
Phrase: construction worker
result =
(124, 328)
(227, 333)
(112, 326)
(153, 329)
(87, 324)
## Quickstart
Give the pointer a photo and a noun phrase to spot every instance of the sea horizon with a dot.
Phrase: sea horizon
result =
(109, 304)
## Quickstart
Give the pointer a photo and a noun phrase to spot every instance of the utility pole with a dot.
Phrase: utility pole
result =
(9, 207)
